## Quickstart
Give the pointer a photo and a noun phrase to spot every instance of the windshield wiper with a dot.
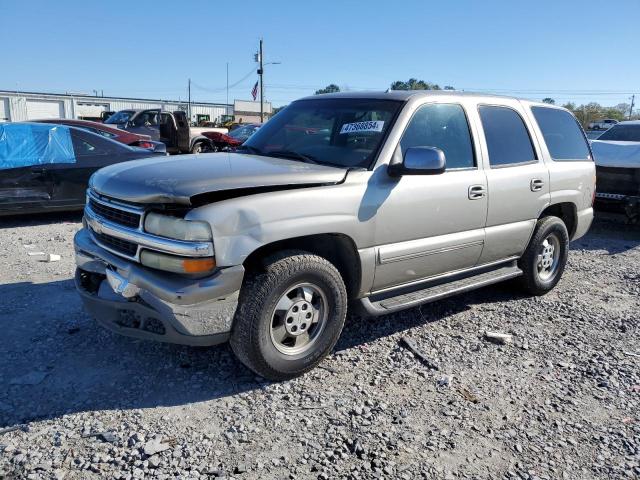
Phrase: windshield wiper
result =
(293, 155)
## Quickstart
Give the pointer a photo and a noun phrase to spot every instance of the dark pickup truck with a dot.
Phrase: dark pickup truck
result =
(170, 128)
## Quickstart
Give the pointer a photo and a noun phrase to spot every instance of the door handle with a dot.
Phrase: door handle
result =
(477, 191)
(536, 184)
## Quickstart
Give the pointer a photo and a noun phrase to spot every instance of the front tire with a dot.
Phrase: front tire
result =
(545, 258)
(289, 316)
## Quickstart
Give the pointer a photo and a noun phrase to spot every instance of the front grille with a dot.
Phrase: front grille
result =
(117, 244)
(114, 214)
(623, 181)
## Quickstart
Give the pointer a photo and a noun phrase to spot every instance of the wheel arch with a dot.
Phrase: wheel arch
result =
(565, 211)
(337, 248)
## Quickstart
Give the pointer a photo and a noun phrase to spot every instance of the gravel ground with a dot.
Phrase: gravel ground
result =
(559, 402)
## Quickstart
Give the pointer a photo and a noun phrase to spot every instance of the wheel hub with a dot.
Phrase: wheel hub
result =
(548, 257)
(299, 317)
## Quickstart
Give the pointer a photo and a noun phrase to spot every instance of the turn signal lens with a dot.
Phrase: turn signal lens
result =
(175, 264)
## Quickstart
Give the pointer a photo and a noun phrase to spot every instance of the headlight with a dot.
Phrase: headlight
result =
(177, 228)
(175, 264)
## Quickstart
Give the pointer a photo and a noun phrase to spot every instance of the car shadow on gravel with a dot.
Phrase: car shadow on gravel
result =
(610, 232)
(56, 360)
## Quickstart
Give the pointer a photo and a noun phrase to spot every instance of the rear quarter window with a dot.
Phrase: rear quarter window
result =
(562, 134)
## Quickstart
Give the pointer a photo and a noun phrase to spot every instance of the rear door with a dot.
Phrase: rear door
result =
(517, 177)
(25, 187)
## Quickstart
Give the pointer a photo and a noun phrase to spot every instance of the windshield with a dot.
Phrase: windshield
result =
(120, 117)
(242, 133)
(622, 133)
(344, 132)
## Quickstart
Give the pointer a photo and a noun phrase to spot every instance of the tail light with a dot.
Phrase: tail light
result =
(143, 144)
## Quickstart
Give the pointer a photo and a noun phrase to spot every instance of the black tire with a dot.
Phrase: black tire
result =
(198, 148)
(251, 336)
(537, 280)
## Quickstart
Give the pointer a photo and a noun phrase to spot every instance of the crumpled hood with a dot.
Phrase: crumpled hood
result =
(176, 179)
(616, 154)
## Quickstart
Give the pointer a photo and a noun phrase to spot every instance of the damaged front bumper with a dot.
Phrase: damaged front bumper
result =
(139, 302)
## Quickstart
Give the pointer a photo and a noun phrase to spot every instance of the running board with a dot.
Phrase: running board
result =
(437, 292)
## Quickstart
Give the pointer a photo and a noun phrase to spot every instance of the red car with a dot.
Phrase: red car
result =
(122, 136)
(234, 138)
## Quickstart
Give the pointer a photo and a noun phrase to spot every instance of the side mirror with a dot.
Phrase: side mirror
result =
(419, 161)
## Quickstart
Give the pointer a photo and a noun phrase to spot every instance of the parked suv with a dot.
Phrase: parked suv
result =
(382, 201)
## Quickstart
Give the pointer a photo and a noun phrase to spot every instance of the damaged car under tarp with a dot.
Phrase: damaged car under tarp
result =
(47, 167)
(617, 156)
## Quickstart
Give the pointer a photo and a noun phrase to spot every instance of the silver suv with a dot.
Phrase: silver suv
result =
(382, 201)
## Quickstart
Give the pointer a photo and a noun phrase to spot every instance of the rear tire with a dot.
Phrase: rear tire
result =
(289, 316)
(197, 148)
(545, 258)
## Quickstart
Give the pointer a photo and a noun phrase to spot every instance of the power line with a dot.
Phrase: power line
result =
(222, 89)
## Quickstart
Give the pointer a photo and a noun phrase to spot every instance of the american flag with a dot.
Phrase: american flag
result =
(254, 92)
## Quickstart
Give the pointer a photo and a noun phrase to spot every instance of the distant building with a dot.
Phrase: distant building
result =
(21, 106)
(249, 112)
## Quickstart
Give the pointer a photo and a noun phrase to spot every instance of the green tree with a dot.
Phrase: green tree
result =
(332, 88)
(549, 100)
(413, 84)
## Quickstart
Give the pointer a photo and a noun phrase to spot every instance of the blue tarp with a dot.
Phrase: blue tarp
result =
(26, 144)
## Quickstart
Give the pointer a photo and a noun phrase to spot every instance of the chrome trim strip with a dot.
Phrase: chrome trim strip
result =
(114, 204)
(144, 240)
(425, 253)
(612, 196)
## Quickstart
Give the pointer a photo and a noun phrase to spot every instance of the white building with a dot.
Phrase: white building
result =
(21, 106)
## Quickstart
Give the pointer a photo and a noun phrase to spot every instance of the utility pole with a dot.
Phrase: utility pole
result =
(227, 83)
(261, 72)
(633, 101)
(189, 103)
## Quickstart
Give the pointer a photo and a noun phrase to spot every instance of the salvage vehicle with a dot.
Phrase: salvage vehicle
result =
(170, 128)
(603, 124)
(47, 167)
(117, 134)
(617, 156)
(233, 139)
(381, 201)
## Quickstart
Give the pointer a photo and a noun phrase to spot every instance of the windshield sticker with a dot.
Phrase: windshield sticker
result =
(358, 127)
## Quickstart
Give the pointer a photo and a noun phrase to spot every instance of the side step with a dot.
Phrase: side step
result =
(437, 292)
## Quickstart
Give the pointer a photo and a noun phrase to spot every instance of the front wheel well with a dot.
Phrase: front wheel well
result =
(339, 249)
(567, 212)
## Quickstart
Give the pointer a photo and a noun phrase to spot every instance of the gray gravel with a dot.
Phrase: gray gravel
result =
(559, 401)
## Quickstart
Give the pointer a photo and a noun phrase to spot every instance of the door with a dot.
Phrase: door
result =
(518, 181)
(4, 110)
(25, 188)
(427, 225)
(146, 122)
(44, 109)
(183, 136)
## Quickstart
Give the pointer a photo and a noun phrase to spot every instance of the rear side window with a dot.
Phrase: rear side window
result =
(562, 134)
(507, 137)
(443, 126)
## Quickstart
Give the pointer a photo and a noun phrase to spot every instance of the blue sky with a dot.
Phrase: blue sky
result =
(569, 50)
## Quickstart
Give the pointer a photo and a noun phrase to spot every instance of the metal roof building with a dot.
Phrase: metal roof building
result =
(19, 106)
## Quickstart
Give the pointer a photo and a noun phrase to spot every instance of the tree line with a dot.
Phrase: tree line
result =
(585, 113)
